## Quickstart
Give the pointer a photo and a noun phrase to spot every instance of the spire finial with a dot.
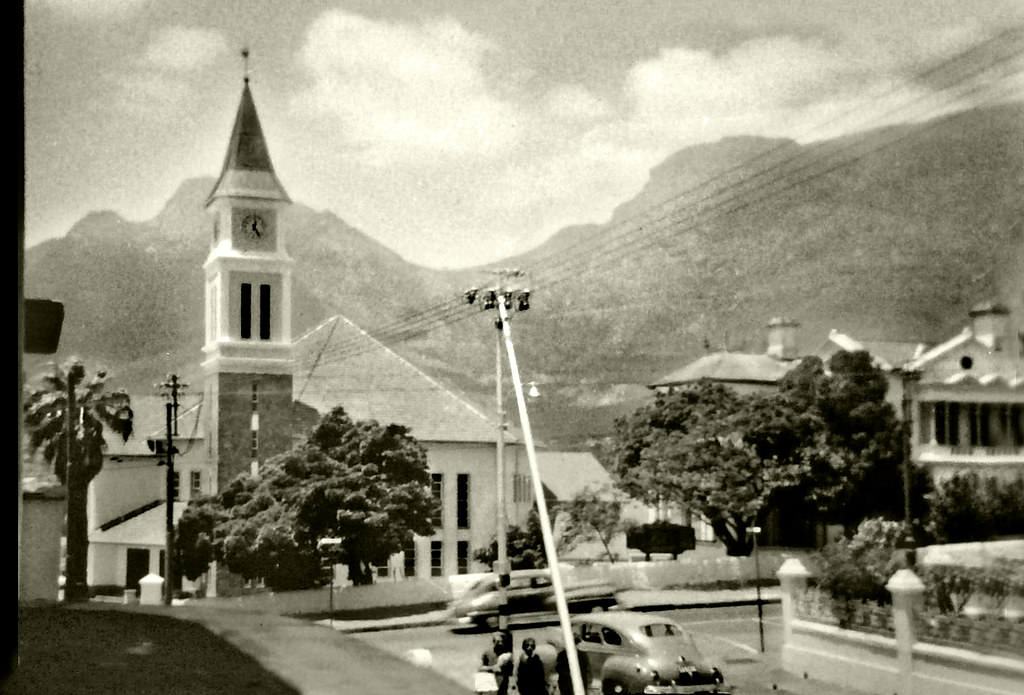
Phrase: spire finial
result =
(245, 64)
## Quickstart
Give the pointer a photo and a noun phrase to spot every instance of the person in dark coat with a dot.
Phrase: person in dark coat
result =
(562, 668)
(498, 660)
(530, 677)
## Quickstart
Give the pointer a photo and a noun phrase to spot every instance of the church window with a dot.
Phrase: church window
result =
(246, 311)
(462, 499)
(264, 312)
(437, 488)
(196, 482)
(462, 551)
(436, 558)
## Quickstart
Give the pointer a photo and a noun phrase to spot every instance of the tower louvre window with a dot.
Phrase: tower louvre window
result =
(246, 311)
(264, 312)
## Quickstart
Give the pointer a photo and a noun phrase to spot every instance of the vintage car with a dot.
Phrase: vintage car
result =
(530, 596)
(632, 653)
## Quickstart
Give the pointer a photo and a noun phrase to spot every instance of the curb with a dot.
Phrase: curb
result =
(382, 625)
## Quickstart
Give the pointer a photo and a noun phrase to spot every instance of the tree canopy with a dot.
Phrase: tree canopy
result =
(593, 514)
(361, 482)
(826, 436)
(524, 545)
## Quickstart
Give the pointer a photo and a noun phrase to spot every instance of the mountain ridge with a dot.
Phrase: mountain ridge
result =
(896, 245)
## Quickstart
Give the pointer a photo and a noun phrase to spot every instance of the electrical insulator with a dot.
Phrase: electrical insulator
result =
(497, 324)
(524, 300)
(470, 295)
(507, 299)
(490, 300)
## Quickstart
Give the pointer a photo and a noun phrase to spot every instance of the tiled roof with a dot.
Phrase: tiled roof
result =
(149, 421)
(338, 363)
(147, 528)
(566, 473)
(886, 354)
(730, 366)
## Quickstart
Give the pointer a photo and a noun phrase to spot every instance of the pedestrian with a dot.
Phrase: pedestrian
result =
(497, 664)
(530, 677)
(565, 676)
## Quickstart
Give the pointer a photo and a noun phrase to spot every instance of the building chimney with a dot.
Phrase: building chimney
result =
(989, 321)
(782, 338)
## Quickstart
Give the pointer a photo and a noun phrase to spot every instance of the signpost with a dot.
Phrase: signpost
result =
(755, 531)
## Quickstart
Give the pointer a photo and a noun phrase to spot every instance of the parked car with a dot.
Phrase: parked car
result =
(529, 595)
(628, 653)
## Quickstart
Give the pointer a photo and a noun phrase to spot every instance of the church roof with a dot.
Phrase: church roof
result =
(567, 473)
(247, 170)
(730, 366)
(338, 363)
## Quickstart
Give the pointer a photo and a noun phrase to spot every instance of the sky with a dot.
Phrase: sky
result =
(455, 132)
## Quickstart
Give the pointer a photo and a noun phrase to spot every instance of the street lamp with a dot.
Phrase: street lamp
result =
(755, 531)
(908, 377)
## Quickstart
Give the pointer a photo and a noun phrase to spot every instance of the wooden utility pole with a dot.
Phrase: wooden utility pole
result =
(171, 388)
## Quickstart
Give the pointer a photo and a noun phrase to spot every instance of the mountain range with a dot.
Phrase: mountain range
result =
(889, 234)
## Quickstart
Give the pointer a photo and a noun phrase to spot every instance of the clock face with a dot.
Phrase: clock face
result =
(253, 227)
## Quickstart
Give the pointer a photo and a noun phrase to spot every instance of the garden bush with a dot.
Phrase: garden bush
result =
(969, 507)
(950, 587)
(857, 568)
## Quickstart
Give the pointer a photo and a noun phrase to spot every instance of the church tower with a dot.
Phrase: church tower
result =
(247, 363)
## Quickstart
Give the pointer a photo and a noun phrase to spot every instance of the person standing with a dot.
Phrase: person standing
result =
(564, 675)
(497, 661)
(530, 679)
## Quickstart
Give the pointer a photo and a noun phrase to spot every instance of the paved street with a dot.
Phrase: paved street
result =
(729, 636)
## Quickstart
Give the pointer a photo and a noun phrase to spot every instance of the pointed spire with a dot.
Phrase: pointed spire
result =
(247, 170)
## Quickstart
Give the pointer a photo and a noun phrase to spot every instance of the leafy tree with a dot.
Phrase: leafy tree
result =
(64, 401)
(857, 568)
(858, 470)
(592, 515)
(359, 481)
(969, 507)
(525, 546)
(716, 452)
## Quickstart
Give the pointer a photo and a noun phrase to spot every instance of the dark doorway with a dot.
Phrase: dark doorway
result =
(138, 567)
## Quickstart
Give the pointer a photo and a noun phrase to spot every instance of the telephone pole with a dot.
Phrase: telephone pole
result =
(170, 389)
(489, 300)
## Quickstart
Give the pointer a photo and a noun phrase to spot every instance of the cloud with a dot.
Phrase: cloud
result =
(184, 49)
(404, 90)
(575, 103)
(87, 9)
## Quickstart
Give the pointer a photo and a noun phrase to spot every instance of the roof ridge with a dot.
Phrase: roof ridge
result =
(437, 384)
(118, 520)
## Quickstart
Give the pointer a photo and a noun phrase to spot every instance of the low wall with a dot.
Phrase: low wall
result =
(900, 663)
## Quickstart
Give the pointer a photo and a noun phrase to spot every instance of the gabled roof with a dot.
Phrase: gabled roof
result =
(148, 527)
(149, 421)
(965, 336)
(885, 354)
(338, 363)
(730, 366)
(566, 473)
(247, 170)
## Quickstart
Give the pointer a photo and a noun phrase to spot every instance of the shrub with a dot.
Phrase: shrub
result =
(858, 568)
(950, 587)
(969, 507)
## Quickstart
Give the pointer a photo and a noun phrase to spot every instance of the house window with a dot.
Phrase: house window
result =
(245, 314)
(409, 553)
(437, 488)
(264, 312)
(175, 485)
(195, 482)
(974, 424)
(462, 499)
(462, 549)
(436, 558)
(947, 423)
(383, 572)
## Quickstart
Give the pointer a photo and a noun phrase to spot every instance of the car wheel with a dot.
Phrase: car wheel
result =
(612, 688)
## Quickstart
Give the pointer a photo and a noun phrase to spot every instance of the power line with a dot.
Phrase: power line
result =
(448, 313)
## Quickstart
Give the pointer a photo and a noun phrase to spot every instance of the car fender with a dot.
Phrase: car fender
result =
(622, 668)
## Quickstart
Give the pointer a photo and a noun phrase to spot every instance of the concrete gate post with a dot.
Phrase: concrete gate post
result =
(907, 591)
(793, 581)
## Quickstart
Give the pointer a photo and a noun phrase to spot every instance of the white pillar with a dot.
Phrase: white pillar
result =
(907, 598)
(793, 581)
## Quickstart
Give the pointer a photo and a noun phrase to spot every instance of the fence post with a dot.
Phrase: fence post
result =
(907, 597)
(793, 581)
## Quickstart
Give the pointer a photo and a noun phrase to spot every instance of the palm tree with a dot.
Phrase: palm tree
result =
(64, 417)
